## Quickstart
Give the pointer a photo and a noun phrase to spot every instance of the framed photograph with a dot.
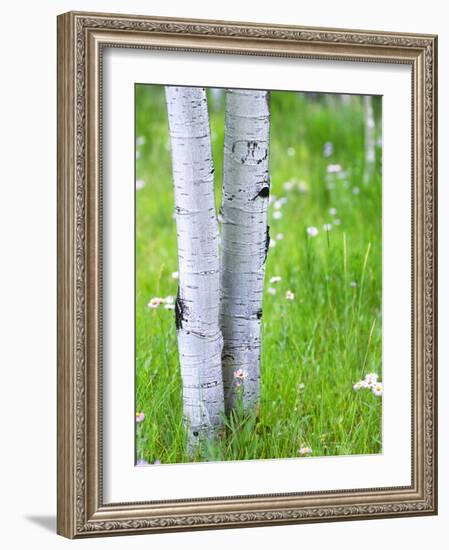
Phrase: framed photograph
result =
(247, 282)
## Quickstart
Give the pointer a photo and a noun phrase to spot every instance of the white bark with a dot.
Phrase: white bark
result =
(370, 151)
(200, 340)
(244, 242)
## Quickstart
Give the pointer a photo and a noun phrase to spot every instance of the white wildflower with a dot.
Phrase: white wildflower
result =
(279, 203)
(140, 140)
(279, 236)
(333, 211)
(305, 451)
(271, 290)
(328, 149)
(312, 231)
(240, 373)
(333, 168)
(371, 379)
(370, 382)
(175, 275)
(291, 151)
(140, 184)
(327, 226)
(289, 295)
(277, 215)
(275, 279)
(303, 187)
(239, 376)
(155, 302)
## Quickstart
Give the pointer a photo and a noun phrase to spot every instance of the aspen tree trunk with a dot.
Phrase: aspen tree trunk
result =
(244, 242)
(370, 151)
(200, 340)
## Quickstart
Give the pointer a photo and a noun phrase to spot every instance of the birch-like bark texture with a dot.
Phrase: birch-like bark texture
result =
(244, 242)
(370, 151)
(200, 340)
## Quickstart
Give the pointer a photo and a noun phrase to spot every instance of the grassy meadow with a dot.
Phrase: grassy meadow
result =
(322, 321)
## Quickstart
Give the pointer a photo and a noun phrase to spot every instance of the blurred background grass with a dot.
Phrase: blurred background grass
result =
(316, 346)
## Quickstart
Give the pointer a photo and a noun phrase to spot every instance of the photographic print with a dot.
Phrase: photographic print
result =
(258, 274)
(247, 280)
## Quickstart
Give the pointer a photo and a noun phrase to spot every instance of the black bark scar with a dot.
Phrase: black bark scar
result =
(267, 243)
(263, 193)
(250, 151)
(179, 311)
(263, 158)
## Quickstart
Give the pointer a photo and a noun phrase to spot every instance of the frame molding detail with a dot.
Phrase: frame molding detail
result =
(81, 38)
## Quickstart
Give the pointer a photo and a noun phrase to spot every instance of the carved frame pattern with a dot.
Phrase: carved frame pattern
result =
(81, 37)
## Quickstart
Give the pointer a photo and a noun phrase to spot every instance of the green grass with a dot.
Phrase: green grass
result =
(314, 347)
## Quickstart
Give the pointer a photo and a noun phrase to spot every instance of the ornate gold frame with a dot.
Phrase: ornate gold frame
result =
(81, 37)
